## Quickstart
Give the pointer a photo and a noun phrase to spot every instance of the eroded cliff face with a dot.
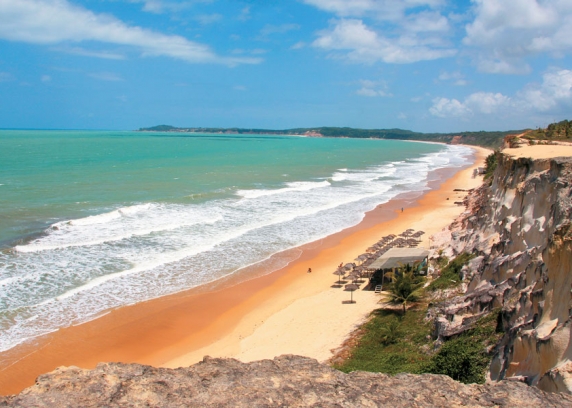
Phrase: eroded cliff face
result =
(520, 229)
(286, 381)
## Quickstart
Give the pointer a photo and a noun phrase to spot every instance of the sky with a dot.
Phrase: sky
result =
(422, 65)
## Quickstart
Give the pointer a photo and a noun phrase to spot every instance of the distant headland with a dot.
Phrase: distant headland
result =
(487, 139)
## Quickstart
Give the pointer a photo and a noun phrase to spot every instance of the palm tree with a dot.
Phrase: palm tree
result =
(405, 288)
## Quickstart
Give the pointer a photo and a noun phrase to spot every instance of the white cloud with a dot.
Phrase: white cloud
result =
(206, 19)
(106, 76)
(258, 51)
(479, 102)
(427, 22)
(373, 88)
(455, 77)
(499, 35)
(555, 92)
(298, 45)
(446, 76)
(366, 92)
(270, 29)
(381, 9)
(58, 21)
(244, 14)
(444, 108)
(240, 88)
(363, 44)
(89, 53)
(46, 78)
(161, 6)
(504, 33)
(487, 102)
(397, 31)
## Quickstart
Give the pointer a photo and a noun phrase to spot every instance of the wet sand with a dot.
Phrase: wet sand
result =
(247, 316)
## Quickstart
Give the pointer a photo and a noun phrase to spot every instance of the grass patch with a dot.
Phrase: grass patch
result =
(463, 358)
(392, 344)
(451, 274)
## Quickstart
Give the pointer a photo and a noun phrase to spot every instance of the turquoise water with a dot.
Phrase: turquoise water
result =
(94, 220)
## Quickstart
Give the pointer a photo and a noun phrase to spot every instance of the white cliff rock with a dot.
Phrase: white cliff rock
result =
(519, 227)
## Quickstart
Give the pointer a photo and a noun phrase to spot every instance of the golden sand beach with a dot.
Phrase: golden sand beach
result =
(249, 316)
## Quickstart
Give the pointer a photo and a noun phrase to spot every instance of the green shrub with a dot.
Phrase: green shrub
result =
(461, 360)
(464, 358)
(441, 261)
(491, 164)
(390, 331)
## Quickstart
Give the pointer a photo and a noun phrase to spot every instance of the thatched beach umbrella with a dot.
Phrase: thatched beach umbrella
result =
(353, 277)
(367, 263)
(406, 233)
(412, 242)
(351, 288)
(359, 269)
(340, 272)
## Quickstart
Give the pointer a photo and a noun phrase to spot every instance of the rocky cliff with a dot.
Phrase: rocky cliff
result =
(519, 228)
(286, 381)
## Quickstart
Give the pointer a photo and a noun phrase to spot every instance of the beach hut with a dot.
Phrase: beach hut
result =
(396, 258)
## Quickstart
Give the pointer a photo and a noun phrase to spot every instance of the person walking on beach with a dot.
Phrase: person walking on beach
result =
(309, 270)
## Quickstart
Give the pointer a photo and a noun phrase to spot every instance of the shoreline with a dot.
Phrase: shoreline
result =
(247, 317)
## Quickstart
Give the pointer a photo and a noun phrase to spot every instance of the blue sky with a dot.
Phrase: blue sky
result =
(424, 65)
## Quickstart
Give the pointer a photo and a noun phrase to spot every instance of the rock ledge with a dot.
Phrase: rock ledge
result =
(286, 381)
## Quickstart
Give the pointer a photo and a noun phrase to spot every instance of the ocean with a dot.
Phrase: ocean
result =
(94, 220)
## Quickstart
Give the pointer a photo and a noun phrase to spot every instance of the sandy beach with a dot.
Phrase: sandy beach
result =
(248, 316)
(540, 151)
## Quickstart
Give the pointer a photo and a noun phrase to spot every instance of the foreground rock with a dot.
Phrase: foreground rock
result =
(286, 381)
